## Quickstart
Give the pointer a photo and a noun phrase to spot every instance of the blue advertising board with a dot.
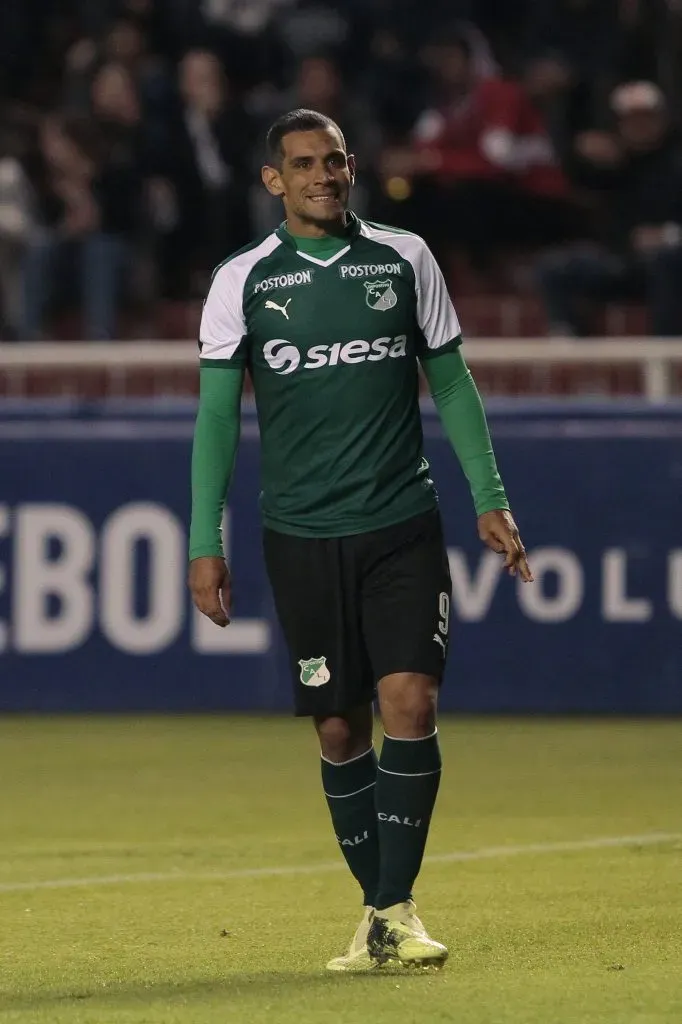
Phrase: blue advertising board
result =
(95, 615)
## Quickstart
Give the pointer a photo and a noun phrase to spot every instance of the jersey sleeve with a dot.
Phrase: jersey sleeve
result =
(461, 412)
(436, 314)
(223, 331)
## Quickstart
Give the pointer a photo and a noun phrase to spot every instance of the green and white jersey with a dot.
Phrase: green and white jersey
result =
(333, 347)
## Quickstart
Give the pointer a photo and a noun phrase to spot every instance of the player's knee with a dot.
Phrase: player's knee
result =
(340, 740)
(408, 705)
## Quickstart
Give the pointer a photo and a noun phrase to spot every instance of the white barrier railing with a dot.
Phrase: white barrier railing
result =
(657, 359)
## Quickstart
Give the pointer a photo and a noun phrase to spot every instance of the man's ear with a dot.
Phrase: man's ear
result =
(272, 180)
(351, 168)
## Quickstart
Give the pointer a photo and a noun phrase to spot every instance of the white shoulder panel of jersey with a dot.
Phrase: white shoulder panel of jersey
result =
(435, 312)
(222, 321)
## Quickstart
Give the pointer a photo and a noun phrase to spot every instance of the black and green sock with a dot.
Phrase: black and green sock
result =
(405, 794)
(349, 789)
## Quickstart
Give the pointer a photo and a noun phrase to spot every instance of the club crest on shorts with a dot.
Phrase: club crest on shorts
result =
(380, 294)
(314, 672)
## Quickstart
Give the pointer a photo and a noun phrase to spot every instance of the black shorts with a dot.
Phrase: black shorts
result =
(354, 609)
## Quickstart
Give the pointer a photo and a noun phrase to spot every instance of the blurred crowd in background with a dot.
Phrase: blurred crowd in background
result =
(533, 143)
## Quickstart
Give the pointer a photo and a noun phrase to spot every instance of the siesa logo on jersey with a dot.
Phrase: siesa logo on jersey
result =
(314, 672)
(380, 294)
(283, 357)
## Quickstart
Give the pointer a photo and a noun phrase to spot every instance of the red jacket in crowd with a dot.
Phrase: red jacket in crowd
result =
(494, 132)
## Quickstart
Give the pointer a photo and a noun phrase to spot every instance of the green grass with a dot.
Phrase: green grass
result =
(582, 936)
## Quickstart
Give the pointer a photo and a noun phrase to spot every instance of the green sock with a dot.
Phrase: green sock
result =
(405, 794)
(349, 789)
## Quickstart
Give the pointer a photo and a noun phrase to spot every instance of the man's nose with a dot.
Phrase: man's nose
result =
(324, 173)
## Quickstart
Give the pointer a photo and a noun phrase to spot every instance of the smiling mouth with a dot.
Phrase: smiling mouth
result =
(331, 198)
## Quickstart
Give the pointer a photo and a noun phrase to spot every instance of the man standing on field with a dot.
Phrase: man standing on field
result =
(332, 316)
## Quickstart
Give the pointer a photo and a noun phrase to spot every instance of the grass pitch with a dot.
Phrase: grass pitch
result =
(183, 871)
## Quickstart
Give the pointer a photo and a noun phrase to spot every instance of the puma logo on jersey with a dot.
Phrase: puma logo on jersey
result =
(439, 640)
(271, 304)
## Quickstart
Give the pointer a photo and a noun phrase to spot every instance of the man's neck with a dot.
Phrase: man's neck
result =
(307, 229)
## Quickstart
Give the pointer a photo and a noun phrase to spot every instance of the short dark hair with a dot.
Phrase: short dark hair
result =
(295, 121)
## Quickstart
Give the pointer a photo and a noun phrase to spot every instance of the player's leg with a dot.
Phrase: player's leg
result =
(349, 771)
(406, 604)
(409, 776)
(407, 786)
(318, 608)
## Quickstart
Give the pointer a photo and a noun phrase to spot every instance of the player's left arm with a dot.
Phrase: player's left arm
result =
(463, 417)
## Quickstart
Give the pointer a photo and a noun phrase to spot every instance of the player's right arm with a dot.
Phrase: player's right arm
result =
(222, 339)
(216, 438)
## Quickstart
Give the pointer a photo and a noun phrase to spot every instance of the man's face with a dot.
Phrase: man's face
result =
(315, 177)
(201, 81)
(318, 83)
(642, 130)
(451, 66)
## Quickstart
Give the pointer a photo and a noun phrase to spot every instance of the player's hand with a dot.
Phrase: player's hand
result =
(211, 588)
(499, 531)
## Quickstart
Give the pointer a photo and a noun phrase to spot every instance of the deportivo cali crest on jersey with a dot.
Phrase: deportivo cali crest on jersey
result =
(332, 347)
(380, 294)
(314, 672)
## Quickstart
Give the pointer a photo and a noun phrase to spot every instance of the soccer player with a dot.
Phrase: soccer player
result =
(332, 316)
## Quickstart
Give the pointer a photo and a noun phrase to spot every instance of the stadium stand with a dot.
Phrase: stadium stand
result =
(513, 137)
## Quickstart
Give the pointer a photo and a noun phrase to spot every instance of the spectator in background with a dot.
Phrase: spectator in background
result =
(397, 31)
(570, 50)
(637, 175)
(318, 85)
(208, 167)
(241, 35)
(394, 80)
(170, 27)
(124, 45)
(485, 170)
(467, 158)
(88, 181)
(16, 220)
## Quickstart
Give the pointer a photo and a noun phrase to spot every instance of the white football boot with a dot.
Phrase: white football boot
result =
(357, 958)
(397, 935)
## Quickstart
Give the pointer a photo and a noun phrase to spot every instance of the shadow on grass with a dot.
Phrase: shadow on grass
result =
(235, 987)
